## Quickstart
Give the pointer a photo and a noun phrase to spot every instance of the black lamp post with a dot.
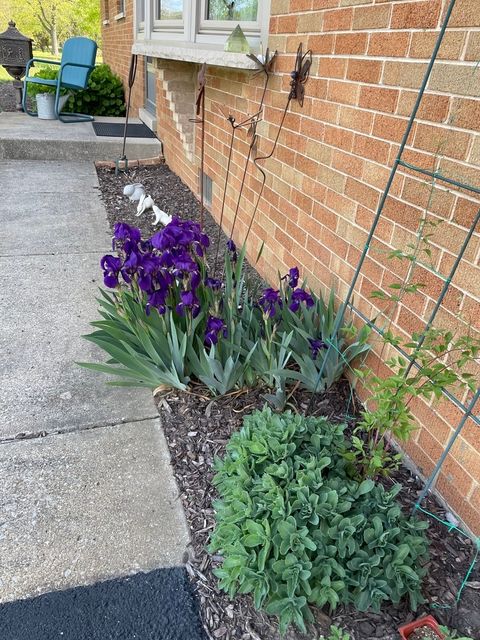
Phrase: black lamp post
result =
(15, 52)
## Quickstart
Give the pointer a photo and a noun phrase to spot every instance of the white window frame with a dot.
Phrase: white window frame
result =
(195, 30)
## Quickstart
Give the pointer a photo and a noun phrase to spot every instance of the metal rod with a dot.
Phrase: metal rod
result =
(202, 154)
(446, 451)
(227, 174)
(444, 290)
(439, 176)
(408, 357)
(381, 204)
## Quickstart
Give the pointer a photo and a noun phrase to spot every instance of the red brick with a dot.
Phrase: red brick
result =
(364, 70)
(337, 20)
(351, 43)
(378, 99)
(416, 15)
(391, 44)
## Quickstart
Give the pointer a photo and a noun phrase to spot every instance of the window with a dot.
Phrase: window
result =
(201, 22)
(169, 10)
(121, 6)
(239, 10)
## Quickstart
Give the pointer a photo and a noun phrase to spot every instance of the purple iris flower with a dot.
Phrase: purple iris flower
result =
(233, 250)
(213, 283)
(299, 296)
(123, 231)
(157, 299)
(195, 280)
(183, 261)
(270, 300)
(293, 276)
(214, 327)
(188, 301)
(315, 346)
(111, 268)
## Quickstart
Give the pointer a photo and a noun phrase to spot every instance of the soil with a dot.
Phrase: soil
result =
(424, 633)
(197, 429)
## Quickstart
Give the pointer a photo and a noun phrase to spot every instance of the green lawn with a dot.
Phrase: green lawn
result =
(40, 54)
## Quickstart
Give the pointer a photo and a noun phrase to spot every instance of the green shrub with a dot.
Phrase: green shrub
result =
(294, 529)
(104, 95)
(47, 73)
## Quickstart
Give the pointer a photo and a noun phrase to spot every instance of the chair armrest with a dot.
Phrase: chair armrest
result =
(32, 60)
(45, 60)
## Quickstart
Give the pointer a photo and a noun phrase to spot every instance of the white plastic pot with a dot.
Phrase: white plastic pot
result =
(46, 105)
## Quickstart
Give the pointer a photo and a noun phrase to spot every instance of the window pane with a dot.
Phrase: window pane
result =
(169, 9)
(141, 10)
(232, 10)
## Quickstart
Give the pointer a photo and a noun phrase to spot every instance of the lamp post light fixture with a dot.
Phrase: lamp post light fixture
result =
(15, 52)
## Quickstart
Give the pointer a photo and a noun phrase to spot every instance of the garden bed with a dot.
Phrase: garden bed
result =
(197, 429)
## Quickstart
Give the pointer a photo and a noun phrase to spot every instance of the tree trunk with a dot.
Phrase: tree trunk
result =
(54, 40)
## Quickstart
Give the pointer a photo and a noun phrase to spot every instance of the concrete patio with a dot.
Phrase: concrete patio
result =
(25, 138)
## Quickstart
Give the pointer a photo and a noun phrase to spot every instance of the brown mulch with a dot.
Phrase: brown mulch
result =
(197, 429)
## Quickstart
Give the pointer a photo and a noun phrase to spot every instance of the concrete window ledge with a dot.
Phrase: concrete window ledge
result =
(148, 118)
(119, 16)
(188, 53)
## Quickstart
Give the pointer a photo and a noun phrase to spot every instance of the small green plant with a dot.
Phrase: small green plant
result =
(452, 634)
(295, 529)
(336, 633)
(104, 95)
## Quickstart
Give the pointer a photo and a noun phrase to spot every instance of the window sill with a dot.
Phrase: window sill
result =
(186, 52)
(119, 16)
(105, 22)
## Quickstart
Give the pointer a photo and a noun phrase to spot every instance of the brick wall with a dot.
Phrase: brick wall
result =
(332, 162)
(117, 38)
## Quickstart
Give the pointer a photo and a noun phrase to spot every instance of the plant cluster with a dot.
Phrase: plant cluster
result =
(103, 96)
(169, 320)
(295, 529)
(451, 634)
(441, 362)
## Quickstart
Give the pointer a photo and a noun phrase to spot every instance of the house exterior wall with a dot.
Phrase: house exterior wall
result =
(331, 165)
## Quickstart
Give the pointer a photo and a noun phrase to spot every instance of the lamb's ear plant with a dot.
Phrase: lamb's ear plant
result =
(452, 634)
(294, 529)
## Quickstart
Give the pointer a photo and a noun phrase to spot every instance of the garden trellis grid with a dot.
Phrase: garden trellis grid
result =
(435, 176)
(468, 410)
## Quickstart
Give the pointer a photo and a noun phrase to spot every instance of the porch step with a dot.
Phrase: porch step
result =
(25, 138)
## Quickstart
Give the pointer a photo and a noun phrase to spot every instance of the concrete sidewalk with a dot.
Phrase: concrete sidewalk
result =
(90, 494)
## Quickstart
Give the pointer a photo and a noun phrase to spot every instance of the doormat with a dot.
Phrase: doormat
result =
(158, 605)
(116, 129)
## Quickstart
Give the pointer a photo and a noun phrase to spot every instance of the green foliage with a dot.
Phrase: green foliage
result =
(452, 634)
(168, 346)
(104, 95)
(47, 73)
(336, 633)
(441, 362)
(295, 529)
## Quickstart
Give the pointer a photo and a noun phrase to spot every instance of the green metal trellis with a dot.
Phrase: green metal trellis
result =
(468, 411)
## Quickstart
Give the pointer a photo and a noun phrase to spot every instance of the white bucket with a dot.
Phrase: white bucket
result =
(46, 105)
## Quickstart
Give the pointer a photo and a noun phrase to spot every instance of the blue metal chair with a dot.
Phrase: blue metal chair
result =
(78, 60)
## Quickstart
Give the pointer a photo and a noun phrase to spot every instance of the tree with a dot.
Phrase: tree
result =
(56, 20)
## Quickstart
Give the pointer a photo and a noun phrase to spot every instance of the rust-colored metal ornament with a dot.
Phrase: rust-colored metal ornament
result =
(200, 119)
(300, 74)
